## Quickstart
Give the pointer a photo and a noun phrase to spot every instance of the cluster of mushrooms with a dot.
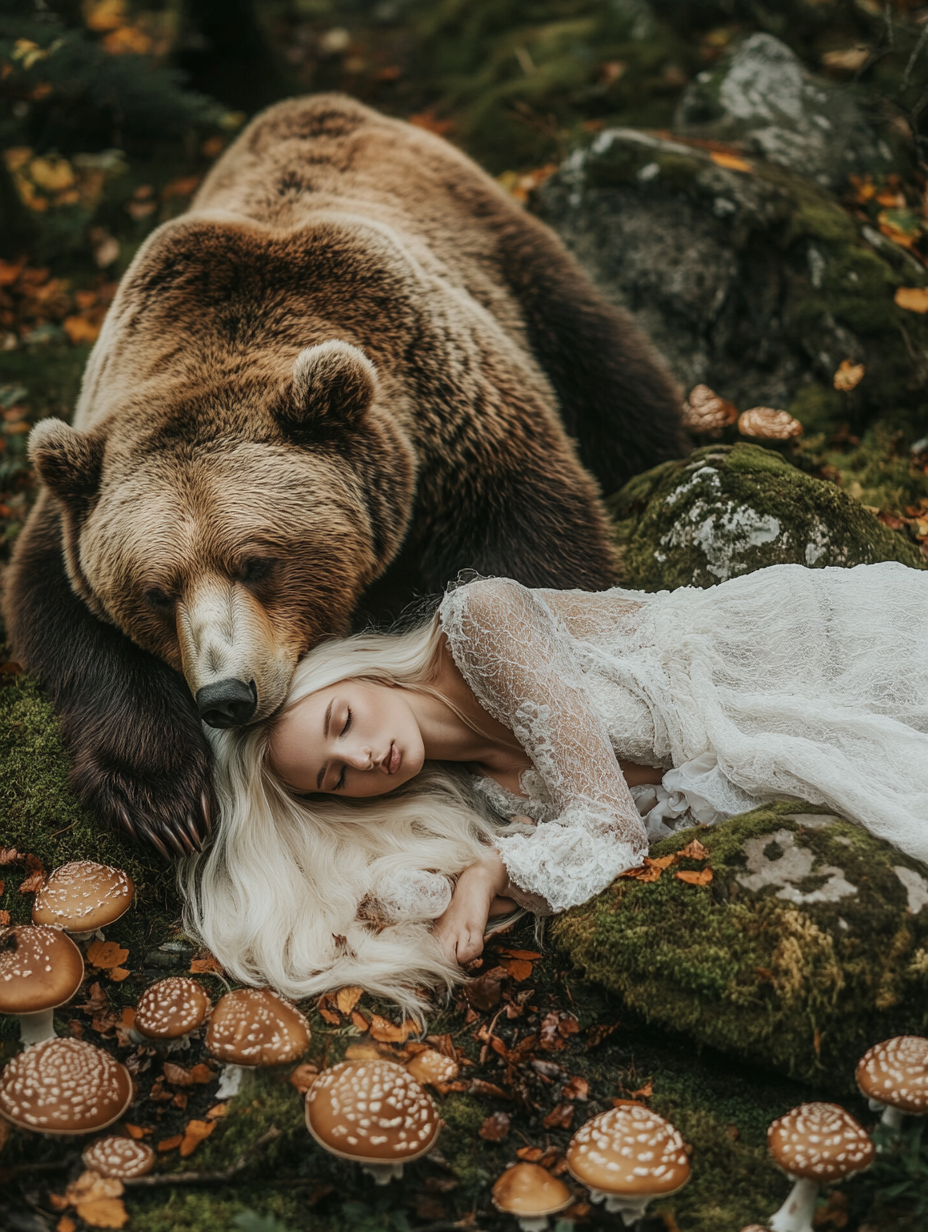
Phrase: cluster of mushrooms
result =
(374, 1112)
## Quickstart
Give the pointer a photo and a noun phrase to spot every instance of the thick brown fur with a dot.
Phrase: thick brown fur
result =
(354, 361)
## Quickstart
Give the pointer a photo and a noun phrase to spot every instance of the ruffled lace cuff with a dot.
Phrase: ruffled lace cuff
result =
(564, 864)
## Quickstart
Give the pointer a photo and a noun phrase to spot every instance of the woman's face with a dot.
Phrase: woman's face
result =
(352, 739)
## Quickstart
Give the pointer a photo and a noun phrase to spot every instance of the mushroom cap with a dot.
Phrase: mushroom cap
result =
(64, 1086)
(82, 896)
(704, 410)
(896, 1073)
(372, 1112)
(119, 1157)
(40, 969)
(432, 1066)
(629, 1151)
(255, 1026)
(767, 424)
(819, 1142)
(530, 1191)
(171, 1007)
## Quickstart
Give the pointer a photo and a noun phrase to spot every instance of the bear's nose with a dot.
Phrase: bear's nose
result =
(227, 703)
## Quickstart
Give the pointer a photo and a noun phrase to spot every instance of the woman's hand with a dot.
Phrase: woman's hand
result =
(461, 929)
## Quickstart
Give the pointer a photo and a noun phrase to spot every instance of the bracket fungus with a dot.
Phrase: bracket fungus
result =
(64, 1086)
(251, 1027)
(531, 1193)
(40, 969)
(768, 424)
(374, 1113)
(83, 897)
(117, 1157)
(628, 1156)
(168, 1011)
(814, 1144)
(705, 411)
(894, 1078)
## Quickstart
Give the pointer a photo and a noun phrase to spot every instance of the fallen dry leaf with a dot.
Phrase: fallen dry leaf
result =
(730, 161)
(136, 1131)
(431, 123)
(560, 1117)
(703, 877)
(480, 1086)
(206, 965)
(495, 1127)
(347, 998)
(324, 1006)
(913, 299)
(217, 1111)
(194, 1134)
(360, 1021)
(386, 1032)
(4, 918)
(848, 376)
(693, 851)
(103, 1213)
(644, 1092)
(519, 968)
(576, 1088)
(485, 991)
(180, 1076)
(118, 974)
(106, 954)
(170, 1144)
(127, 1018)
(65, 1224)
(531, 1154)
(33, 882)
(649, 870)
(302, 1078)
(80, 329)
(9, 855)
(367, 1052)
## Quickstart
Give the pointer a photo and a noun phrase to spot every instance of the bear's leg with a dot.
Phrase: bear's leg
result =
(141, 761)
(617, 399)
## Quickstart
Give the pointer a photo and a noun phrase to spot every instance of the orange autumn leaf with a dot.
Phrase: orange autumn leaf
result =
(169, 1144)
(194, 1134)
(848, 376)
(128, 1017)
(359, 1021)
(518, 968)
(65, 1224)
(431, 123)
(104, 1213)
(528, 955)
(693, 851)
(644, 1092)
(913, 299)
(180, 1076)
(10, 271)
(4, 918)
(703, 877)
(205, 966)
(530, 1153)
(80, 329)
(118, 974)
(33, 882)
(560, 1116)
(136, 1131)
(730, 161)
(347, 998)
(105, 954)
(217, 1111)
(650, 870)
(303, 1078)
(9, 855)
(385, 1032)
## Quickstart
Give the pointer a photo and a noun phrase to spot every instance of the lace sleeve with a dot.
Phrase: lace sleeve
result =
(508, 646)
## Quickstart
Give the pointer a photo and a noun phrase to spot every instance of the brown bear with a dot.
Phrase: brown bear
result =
(354, 352)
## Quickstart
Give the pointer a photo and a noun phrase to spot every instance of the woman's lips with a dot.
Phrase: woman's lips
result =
(393, 761)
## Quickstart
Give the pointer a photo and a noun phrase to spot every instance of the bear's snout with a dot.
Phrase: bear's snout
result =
(227, 703)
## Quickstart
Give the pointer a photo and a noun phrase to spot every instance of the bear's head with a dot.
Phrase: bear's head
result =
(231, 529)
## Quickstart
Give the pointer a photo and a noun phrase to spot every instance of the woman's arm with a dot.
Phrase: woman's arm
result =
(460, 931)
(520, 667)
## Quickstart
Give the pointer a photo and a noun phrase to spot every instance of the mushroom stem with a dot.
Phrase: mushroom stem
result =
(34, 1028)
(795, 1215)
(230, 1081)
(538, 1224)
(892, 1118)
(383, 1174)
(631, 1209)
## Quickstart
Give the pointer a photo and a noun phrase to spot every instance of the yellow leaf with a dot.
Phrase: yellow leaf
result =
(913, 299)
(79, 329)
(347, 998)
(848, 376)
(52, 174)
(106, 954)
(195, 1133)
(104, 1213)
(731, 161)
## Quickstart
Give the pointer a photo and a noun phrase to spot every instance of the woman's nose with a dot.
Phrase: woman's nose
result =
(362, 759)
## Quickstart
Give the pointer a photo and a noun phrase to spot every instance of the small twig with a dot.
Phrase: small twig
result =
(916, 52)
(206, 1178)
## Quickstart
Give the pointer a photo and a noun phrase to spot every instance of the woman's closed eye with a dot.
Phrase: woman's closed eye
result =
(347, 722)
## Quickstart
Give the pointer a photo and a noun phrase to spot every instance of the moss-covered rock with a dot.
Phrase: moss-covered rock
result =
(756, 280)
(728, 510)
(809, 944)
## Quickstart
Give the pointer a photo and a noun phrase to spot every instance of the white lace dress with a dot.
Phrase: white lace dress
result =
(804, 683)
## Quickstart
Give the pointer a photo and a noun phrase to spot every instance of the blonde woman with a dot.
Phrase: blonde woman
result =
(521, 748)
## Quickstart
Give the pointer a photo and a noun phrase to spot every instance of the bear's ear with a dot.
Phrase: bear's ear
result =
(333, 386)
(68, 461)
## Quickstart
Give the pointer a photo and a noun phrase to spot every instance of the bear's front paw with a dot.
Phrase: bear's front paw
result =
(172, 813)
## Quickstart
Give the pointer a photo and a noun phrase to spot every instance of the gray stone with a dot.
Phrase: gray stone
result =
(761, 95)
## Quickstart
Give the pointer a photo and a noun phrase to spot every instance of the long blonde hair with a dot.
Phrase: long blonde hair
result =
(276, 897)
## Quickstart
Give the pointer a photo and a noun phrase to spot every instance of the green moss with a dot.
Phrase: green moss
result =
(728, 510)
(805, 987)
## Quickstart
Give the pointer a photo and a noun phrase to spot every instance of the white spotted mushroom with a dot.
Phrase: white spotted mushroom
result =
(64, 1086)
(40, 970)
(83, 898)
(627, 1157)
(117, 1157)
(374, 1113)
(531, 1193)
(814, 1144)
(168, 1011)
(768, 424)
(251, 1027)
(894, 1078)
